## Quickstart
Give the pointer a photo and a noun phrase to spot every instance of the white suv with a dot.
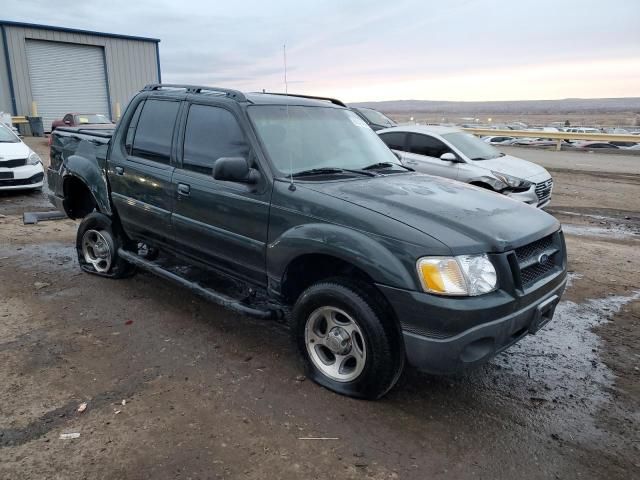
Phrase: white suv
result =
(452, 153)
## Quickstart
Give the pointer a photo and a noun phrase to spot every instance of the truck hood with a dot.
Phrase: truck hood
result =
(11, 151)
(514, 166)
(467, 219)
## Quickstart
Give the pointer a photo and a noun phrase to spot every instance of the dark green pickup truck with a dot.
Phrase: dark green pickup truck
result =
(305, 212)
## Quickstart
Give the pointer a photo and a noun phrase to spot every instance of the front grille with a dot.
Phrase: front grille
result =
(37, 178)
(18, 162)
(543, 190)
(533, 249)
(538, 259)
(536, 271)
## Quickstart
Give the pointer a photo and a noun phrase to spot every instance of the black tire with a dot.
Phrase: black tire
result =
(384, 347)
(98, 224)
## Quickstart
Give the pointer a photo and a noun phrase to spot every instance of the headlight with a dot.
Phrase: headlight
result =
(33, 159)
(464, 275)
(512, 182)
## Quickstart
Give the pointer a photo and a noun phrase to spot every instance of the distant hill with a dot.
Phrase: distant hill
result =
(568, 105)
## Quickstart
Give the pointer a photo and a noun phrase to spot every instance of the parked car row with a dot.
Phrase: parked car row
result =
(548, 142)
(371, 264)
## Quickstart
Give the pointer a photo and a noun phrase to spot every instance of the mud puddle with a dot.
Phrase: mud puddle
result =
(561, 366)
(619, 232)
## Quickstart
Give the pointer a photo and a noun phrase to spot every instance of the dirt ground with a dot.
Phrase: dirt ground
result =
(176, 387)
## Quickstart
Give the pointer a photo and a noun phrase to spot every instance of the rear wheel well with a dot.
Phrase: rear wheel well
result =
(78, 199)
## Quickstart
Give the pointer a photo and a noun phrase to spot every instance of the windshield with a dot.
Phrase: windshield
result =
(91, 118)
(377, 118)
(7, 136)
(471, 146)
(299, 138)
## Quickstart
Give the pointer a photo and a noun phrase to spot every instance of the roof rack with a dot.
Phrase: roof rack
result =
(335, 101)
(234, 94)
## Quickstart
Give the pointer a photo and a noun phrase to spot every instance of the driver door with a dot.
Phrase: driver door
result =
(221, 223)
(424, 153)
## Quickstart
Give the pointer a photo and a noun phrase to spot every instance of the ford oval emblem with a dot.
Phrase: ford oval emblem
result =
(543, 258)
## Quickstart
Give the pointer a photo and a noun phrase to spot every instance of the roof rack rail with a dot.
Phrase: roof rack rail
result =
(335, 101)
(236, 95)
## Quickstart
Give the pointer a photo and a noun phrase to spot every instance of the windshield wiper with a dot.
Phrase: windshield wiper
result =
(330, 171)
(382, 165)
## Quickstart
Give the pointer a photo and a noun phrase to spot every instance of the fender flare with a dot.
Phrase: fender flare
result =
(362, 250)
(92, 176)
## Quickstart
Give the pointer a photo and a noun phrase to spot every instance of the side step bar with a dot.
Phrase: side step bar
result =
(211, 295)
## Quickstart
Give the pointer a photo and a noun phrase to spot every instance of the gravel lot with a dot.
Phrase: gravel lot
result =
(179, 388)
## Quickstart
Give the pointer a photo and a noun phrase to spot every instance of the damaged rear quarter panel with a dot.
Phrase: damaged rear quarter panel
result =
(83, 157)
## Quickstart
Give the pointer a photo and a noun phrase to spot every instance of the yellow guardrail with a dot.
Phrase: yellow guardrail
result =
(18, 120)
(559, 136)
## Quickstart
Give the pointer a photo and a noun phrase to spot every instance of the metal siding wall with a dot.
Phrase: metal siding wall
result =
(5, 91)
(130, 64)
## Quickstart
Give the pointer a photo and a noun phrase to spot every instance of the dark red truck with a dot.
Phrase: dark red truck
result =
(82, 120)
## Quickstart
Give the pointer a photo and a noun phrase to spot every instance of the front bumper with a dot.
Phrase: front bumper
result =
(498, 322)
(528, 197)
(24, 177)
(531, 197)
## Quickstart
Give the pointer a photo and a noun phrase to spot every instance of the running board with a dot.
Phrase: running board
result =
(209, 294)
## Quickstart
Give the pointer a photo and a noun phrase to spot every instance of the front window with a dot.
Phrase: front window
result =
(471, 146)
(299, 139)
(377, 118)
(91, 119)
(7, 136)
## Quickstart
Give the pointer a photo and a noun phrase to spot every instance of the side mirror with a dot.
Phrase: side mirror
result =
(235, 169)
(398, 156)
(449, 157)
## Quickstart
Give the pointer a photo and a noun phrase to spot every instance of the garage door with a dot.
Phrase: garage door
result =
(65, 78)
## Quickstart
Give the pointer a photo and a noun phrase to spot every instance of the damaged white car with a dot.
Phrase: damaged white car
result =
(452, 153)
(20, 167)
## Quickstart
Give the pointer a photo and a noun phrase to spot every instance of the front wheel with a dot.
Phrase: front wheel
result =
(347, 339)
(97, 244)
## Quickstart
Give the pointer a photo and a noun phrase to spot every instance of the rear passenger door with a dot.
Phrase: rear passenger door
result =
(221, 223)
(424, 156)
(140, 170)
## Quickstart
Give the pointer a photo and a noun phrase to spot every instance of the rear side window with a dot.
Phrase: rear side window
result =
(155, 130)
(211, 133)
(395, 140)
(131, 130)
(426, 145)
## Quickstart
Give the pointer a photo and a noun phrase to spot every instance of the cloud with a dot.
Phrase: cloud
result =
(379, 48)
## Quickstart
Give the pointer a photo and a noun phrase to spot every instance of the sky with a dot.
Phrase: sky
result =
(368, 50)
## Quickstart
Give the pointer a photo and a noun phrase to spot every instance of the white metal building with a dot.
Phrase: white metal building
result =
(65, 70)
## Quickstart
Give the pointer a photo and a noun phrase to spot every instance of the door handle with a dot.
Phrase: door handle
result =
(119, 171)
(184, 189)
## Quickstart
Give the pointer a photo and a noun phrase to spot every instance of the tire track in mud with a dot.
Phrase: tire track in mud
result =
(15, 436)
